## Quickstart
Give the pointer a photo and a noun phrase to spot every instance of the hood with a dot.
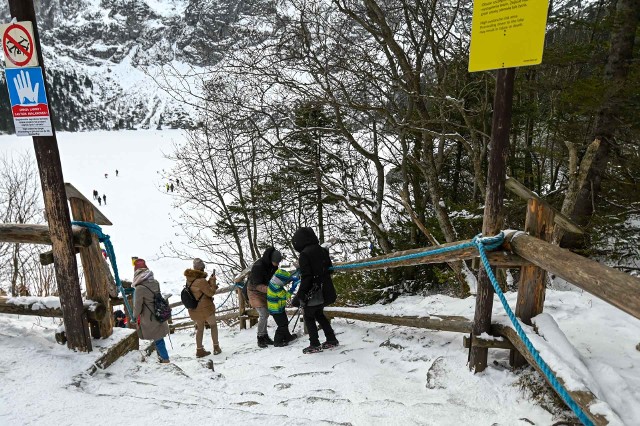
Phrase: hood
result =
(141, 275)
(304, 237)
(266, 256)
(194, 274)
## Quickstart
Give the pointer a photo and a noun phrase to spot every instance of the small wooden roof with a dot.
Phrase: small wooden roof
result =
(72, 192)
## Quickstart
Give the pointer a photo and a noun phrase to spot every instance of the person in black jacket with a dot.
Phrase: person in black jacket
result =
(316, 288)
(257, 285)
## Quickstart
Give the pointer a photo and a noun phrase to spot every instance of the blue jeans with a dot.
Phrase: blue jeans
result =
(162, 349)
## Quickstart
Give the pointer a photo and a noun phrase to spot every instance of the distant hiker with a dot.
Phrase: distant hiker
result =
(149, 327)
(171, 187)
(116, 172)
(203, 291)
(167, 187)
(99, 201)
(316, 288)
(95, 194)
(104, 199)
(177, 182)
(261, 273)
(106, 175)
(277, 297)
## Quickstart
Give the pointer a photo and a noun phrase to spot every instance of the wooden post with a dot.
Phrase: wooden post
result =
(493, 218)
(539, 223)
(57, 211)
(96, 280)
(241, 309)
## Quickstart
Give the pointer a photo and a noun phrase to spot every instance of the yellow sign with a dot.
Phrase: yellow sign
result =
(507, 33)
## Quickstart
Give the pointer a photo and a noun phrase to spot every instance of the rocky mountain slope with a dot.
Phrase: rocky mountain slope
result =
(102, 57)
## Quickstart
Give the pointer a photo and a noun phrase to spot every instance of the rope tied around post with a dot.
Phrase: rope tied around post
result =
(106, 239)
(484, 244)
(491, 243)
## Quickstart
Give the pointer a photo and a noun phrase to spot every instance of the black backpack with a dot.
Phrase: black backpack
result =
(188, 299)
(161, 309)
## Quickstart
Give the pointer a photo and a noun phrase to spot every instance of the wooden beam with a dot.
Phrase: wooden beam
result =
(46, 258)
(56, 210)
(432, 322)
(93, 267)
(614, 287)
(539, 223)
(39, 234)
(584, 398)
(526, 194)
(117, 351)
(493, 204)
(480, 342)
(72, 192)
(496, 258)
(188, 324)
(35, 306)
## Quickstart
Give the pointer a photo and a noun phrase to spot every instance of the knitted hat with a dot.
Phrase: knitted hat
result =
(198, 264)
(139, 264)
(276, 257)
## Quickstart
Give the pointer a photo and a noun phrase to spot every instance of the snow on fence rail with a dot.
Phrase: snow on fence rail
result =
(47, 307)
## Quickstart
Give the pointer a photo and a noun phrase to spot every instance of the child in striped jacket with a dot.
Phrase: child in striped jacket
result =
(277, 297)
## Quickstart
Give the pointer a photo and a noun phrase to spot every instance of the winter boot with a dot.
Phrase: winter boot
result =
(217, 350)
(292, 337)
(262, 342)
(329, 344)
(163, 361)
(200, 352)
(312, 349)
(268, 339)
(280, 344)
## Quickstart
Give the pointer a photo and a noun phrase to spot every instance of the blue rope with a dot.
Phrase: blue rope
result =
(405, 257)
(104, 238)
(483, 244)
(480, 243)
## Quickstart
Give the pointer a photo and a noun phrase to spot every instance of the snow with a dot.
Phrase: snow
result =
(381, 374)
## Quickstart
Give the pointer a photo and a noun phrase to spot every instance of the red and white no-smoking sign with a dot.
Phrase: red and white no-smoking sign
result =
(18, 45)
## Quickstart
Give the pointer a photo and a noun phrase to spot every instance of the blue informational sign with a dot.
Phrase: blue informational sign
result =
(28, 101)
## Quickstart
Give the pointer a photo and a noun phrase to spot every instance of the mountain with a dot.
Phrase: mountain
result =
(102, 57)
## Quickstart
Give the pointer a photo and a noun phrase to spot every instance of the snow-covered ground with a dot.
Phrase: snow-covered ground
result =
(379, 375)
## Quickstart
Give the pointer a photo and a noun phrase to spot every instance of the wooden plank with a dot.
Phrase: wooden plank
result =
(35, 306)
(93, 267)
(187, 324)
(496, 343)
(614, 287)
(525, 193)
(584, 398)
(117, 351)
(531, 288)
(496, 258)
(99, 218)
(46, 258)
(39, 234)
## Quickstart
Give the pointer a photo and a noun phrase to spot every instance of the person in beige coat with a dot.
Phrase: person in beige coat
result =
(203, 290)
(149, 328)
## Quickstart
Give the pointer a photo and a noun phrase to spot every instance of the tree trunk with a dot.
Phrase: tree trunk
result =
(615, 76)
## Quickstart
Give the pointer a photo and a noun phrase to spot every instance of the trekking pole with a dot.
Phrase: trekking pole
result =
(296, 323)
(294, 314)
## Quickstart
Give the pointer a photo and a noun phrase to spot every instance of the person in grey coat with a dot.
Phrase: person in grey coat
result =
(149, 328)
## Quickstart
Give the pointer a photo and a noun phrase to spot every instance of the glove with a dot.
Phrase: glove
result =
(295, 302)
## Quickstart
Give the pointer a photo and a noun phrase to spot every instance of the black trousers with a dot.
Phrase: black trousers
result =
(313, 314)
(282, 332)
